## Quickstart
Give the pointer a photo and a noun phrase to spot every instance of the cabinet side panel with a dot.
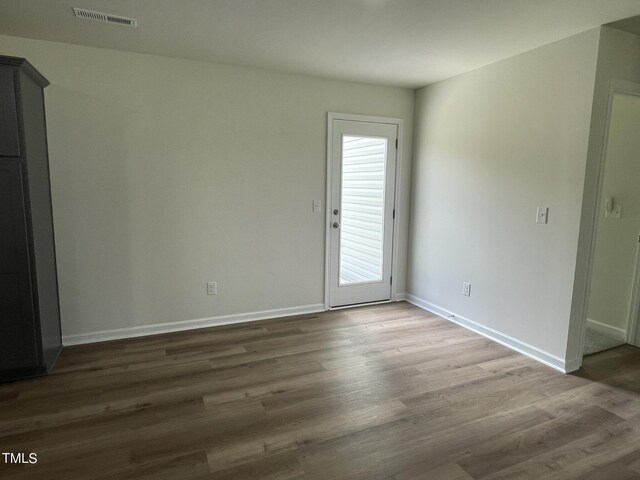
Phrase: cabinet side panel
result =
(40, 209)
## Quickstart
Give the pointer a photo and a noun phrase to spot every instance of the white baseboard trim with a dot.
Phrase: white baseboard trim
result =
(400, 297)
(613, 332)
(535, 353)
(130, 332)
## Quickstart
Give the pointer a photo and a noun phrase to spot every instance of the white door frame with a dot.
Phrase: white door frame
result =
(396, 200)
(629, 88)
(634, 310)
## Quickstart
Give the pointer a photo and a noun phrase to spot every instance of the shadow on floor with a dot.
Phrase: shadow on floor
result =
(618, 367)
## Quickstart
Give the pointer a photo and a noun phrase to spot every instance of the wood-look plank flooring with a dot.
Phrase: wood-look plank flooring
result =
(381, 392)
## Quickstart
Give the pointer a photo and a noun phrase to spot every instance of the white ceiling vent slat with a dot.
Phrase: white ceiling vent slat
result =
(105, 17)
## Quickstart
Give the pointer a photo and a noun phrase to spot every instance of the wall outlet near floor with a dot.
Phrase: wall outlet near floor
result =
(212, 288)
(466, 289)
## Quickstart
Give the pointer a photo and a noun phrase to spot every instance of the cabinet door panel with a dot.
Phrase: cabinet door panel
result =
(9, 139)
(18, 348)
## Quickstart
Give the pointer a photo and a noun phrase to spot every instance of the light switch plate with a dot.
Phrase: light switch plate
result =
(317, 206)
(615, 212)
(542, 215)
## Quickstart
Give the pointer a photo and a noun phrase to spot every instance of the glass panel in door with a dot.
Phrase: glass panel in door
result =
(362, 205)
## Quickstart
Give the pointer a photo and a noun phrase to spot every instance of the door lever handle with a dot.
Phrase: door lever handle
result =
(336, 225)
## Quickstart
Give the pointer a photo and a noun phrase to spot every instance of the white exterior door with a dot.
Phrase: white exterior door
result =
(361, 211)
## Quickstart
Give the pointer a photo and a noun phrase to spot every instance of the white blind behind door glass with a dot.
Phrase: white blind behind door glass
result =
(362, 212)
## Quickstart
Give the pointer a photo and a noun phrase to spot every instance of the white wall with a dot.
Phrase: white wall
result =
(618, 58)
(617, 239)
(491, 146)
(168, 173)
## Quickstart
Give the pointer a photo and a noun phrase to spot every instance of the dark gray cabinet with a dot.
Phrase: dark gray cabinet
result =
(30, 338)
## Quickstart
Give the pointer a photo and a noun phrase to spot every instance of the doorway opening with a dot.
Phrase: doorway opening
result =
(612, 309)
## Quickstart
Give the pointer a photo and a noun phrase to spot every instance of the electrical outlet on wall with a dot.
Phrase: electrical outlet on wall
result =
(212, 288)
(466, 289)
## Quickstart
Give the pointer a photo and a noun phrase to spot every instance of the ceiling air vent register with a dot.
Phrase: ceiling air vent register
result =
(105, 17)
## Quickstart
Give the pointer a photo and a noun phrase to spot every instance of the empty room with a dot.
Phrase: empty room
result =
(320, 239)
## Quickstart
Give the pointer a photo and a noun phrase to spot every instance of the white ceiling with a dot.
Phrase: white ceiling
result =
(396, 42)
